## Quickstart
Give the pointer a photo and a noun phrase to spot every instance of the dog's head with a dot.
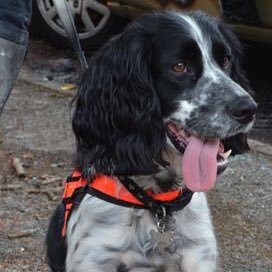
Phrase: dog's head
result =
(168, 73)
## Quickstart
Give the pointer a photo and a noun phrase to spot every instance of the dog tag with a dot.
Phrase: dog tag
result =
(162, 240)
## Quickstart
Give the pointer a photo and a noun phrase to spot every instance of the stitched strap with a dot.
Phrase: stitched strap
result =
(149, 203)
(71, 197)
(113, 200)
(157, 207)
(74, 195)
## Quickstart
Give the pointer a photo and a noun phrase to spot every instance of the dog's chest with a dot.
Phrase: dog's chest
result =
(108, 236)
(130, 235)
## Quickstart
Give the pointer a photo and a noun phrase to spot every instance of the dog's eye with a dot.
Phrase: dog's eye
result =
(226, 62)
(180, 67)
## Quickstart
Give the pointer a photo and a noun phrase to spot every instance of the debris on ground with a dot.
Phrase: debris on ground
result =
(36, 127)
(21, 233)
(18, 166)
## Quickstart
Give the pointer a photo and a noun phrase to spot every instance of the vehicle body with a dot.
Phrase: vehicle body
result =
(96, 21)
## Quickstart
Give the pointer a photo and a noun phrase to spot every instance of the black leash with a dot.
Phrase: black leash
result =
(70, 28)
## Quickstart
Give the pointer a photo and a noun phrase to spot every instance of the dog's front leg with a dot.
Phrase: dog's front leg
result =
(198, 247)
(200, 260)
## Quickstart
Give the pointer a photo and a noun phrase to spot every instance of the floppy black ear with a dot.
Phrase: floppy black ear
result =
(237, 143)
(117, 119)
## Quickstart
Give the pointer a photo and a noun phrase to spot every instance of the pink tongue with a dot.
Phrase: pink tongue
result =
(199, 166)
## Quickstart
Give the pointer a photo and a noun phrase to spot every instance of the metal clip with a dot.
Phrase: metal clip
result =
(161, 220)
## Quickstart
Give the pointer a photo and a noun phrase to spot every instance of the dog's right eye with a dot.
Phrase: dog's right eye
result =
(180, 67)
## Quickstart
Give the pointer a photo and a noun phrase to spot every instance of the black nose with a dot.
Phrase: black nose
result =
(242, 109)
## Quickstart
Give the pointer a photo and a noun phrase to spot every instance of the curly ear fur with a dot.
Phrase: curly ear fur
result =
(117, 119)
(237, 143)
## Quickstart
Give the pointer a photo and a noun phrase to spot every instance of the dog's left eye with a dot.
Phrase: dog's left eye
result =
(226, 62)
(180, 67)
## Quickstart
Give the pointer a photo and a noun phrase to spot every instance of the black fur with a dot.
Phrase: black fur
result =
(117, 120)
(126, 95)
(115, 136)
(237, 143)
(56, 246)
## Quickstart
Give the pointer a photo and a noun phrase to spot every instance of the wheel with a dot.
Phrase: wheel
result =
(93, 19)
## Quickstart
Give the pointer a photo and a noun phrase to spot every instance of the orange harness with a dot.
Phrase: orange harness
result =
(111, 190)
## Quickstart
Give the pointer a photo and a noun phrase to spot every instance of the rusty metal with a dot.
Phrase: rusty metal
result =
(132, 8)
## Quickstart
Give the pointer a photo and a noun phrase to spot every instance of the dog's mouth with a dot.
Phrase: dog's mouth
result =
(203, 158)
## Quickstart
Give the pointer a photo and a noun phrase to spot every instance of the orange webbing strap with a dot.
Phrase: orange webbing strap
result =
(168, 196)
(108, 186)
(112, 187)
(68, 207)
(72, 183)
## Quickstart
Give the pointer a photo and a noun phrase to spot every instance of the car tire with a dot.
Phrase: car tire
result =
(41, 26)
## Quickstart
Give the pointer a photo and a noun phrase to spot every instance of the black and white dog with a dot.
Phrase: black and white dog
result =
(159, 103)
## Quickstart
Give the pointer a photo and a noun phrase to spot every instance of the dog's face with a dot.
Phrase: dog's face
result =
(193, 67)
(169, 74)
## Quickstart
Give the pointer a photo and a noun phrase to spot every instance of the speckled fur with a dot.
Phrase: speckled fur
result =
(123, 104)
(126, 245)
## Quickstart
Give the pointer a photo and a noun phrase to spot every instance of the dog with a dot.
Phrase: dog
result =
(157, 110)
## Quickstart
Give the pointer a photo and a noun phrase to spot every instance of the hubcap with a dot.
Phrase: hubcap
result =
(89, 16)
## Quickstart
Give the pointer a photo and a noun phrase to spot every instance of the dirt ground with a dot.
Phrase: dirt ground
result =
(35, 127)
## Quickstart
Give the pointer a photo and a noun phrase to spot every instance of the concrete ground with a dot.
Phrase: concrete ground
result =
(35, 127)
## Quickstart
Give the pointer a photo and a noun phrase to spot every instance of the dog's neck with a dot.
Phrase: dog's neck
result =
(167, 178)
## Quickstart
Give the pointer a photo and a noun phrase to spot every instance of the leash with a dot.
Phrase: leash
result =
(70, 28)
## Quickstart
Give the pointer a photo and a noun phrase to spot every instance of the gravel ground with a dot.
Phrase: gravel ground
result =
(36, 128)
(241, 208)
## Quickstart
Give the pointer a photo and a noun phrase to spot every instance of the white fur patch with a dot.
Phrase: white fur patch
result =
(203, 99)
(211, 70)
(184, 111)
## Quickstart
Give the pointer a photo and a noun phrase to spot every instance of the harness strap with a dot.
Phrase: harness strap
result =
(73, 186)
(156, 205)
(129, 195)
